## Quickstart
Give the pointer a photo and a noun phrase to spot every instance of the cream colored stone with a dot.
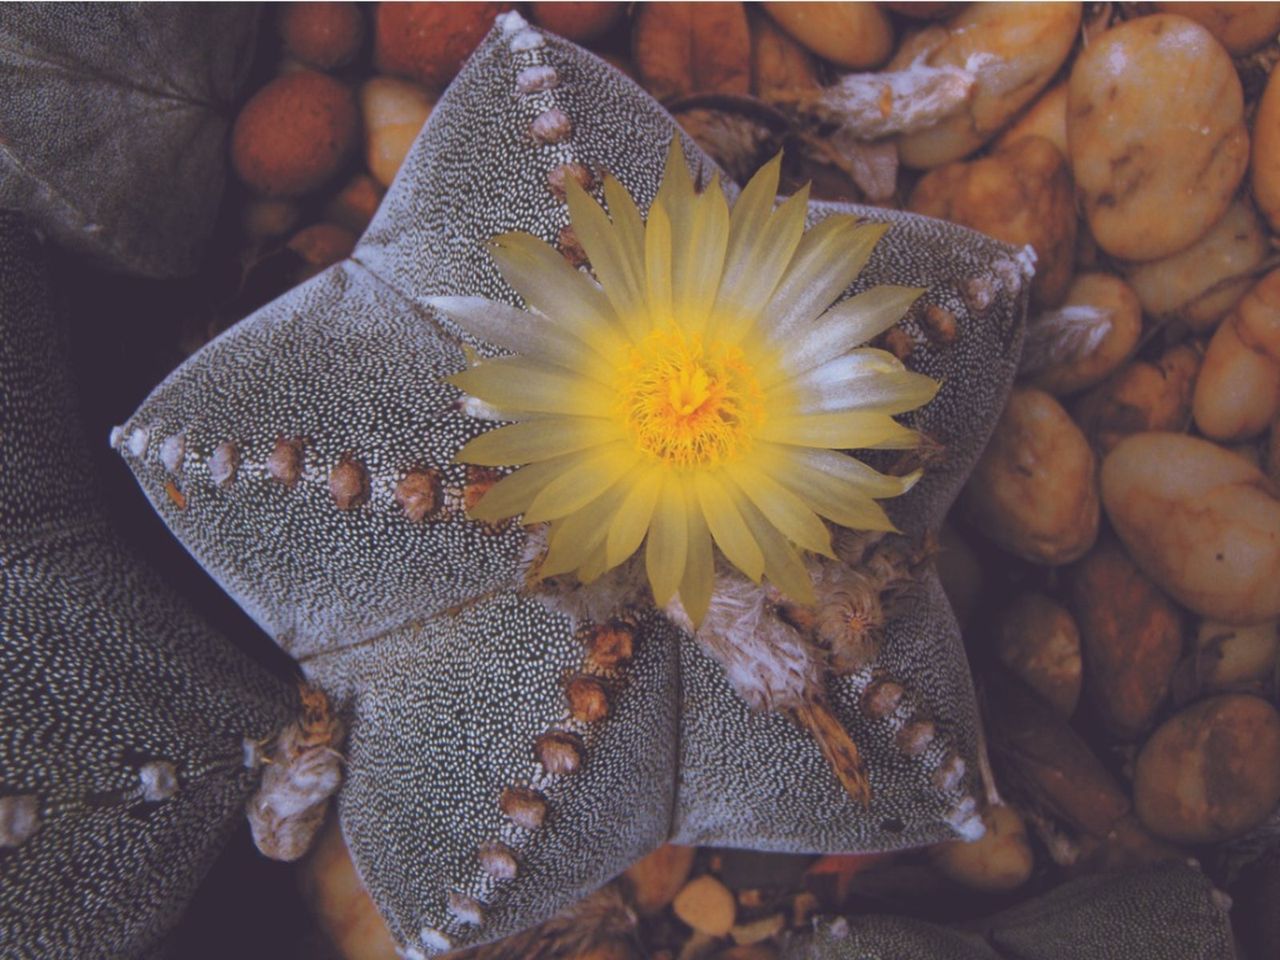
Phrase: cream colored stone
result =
(1155, 123)
(854, 35)
(394, 111)
(1035, 490)
(1240, 27)
(1203, 523)
(780, 66)
(706, 905)
(654, 880)
(1000, 860)
(1238, 391)
(1195, 285)
(1097, 296)
(1228, 656)
(1046, 118)
(1012, 49)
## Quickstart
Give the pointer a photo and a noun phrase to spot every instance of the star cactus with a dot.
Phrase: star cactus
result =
(517, 739)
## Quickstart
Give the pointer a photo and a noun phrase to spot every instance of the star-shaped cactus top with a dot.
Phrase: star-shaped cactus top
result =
(512, 747)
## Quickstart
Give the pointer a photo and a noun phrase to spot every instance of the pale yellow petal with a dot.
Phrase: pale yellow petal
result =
(657, 258)
(620, 275)
(744, 295)
(510, 495)
(586, 475)
(847, 430)
(840, 467)
(627, 224)
(782, 565)
(748, 225)
(594, 565)
(518, 385)
(676, 193)
(889, 393)
(631, 522)
(850, 323)
(827, 260)
(698, 266)
(724, 519)
(699, 570)
(574, 537)
(667, 547)
(539, 439)
(835, 498)
(782, 508)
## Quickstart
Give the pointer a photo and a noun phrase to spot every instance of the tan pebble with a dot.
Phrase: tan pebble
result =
(418, 494)
(427, 42)
(1198, 520)
(339, 901)
(706, 905)
(1012, 50)
(1238, 392)
(294, 134)
(654, 880)
(524, 807)
(1141, 396)
(1266, 152)
(578, 22)
(1195, 284)
(355, 204)
(779, 65)
(349, 484)
(1034, 491)
(1210, 772)
(1021, 195)
(1130, 636)
(1240, 27)
(1001, 859)
(558, 752)
(1228, 656)
(394, 111)
(1038, 640)
(1110, 300)
(756, 931)
(1156, 129)
(680, 49)
(321, 35)
(1047, 118)
(854, 35)
(588, 699)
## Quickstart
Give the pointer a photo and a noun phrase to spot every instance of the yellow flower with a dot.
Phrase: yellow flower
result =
(698, 394)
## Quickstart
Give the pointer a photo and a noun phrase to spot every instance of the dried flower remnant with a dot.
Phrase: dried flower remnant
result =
(701, 396)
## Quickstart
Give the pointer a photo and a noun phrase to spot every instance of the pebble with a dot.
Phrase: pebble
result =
(706, 905)
(1240, 27)
(579, 22)
(427, 42)
(394, 112)
(321, 35)
(1000, 860)
(1038, 640)
(1200, 521)
(1142, 395)
(1238, 392)
(854, 35)
(1047, 118)
(654, 880)
(1155, 123)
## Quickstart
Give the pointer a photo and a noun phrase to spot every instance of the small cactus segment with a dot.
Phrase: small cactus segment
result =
(1151, 914)
(123, 717)
(115, 123)
(477, 796)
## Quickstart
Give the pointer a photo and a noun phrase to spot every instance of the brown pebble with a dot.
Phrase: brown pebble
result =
(19, 819)
(321, 245)
(294, 134)
(579, 21)
(284, 463)
(559, 752)
(524, 807)
(427, 42)
(570, 246)
(560, 175)
(498, 861)
(321, 35)
(914, 738)
(355, 204)
(465, 908)
(419, 494)
(611, 645)
(552, 126)
(349, 484)
(939, 324)
(588, 700)
(881, 698)
(224, 463)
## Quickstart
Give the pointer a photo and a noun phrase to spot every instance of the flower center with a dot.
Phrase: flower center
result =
(688, 403)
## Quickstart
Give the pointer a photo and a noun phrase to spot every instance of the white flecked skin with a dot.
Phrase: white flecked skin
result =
(113, 124)
(446, 671)
(122, 716)
(1152, 914)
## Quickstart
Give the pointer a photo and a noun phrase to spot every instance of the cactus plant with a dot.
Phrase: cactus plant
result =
(515, 744)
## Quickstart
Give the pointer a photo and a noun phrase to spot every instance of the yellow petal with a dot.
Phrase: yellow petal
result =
(586, 475)
(627, 224)
(620, 275)
(748, 225)
(538, 439)
(676, 193)
(725, 522)
(631, 522)
(782, 508)
(884, 393)
(698, 265)
(743, 296)
(827, 260)
(575, 537)
(667, 546)
(517, 385)
(850, 323)
(841, 467)
(835, 498)
(699, 577)
(782, 565)
(846, 430)
(510, 495)
(657, 259)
